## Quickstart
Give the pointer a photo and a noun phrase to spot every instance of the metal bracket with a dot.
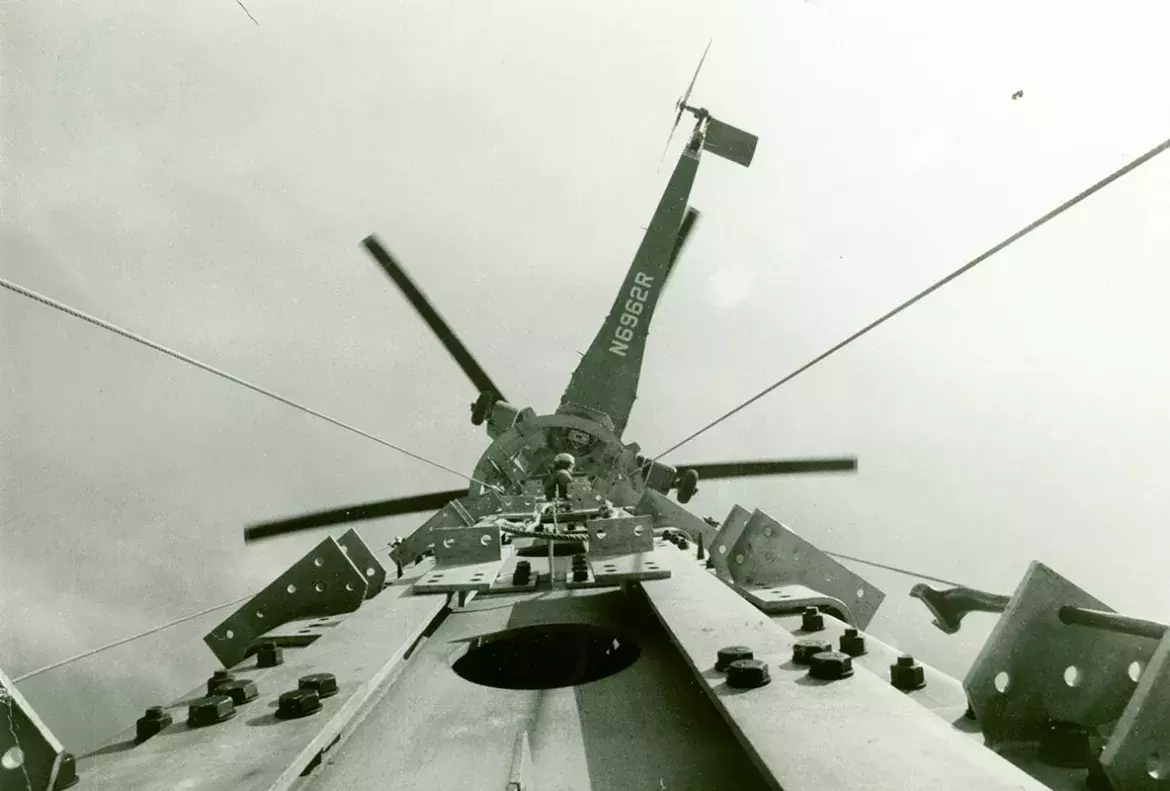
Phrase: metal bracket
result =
(621, 535)
(724, 541)
(788, 598)
(1034, 669)
(768, 554)
(363, 557)
(1137, 756)
(323, 582)
(466, 559)
(30, 755)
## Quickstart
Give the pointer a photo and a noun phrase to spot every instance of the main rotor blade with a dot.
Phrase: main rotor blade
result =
(353, 513)
(749, 469)
(438, 325)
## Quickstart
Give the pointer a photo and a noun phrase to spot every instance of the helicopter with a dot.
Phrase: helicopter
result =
(594, 411)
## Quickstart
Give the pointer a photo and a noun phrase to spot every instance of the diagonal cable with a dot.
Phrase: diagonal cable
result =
(967, 267)
(26, 292)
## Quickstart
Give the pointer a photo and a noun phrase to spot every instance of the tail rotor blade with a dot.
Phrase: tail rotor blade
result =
(438, 325)
(682, 103)
(352, 513)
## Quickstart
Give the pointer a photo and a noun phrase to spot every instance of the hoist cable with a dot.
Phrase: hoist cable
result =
(223, 374)
(1158, 149)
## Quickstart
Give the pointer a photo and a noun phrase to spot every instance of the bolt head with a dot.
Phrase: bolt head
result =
(812, 620)
(905, 660)
(210, 710)
(240, 690)
(852, 643)
(580, 575)
(907, 675)
(324, 684)
(298, 703)
(155, 720)
(804, 650)
(269, 655)
(732, 653)
(830, 665)
(217, 679)
(747, 674)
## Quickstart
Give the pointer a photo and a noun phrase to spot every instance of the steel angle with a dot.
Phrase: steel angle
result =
(769, 553)
(1034, 668)
(31, 754)
(466, 559)
(623, 535)
(724, 540)
(363, 557)
(789, 597)
(1137, 756)
(324, 582)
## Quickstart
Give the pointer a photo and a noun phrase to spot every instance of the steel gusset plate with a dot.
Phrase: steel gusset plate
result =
(767, 554)
(29, 753)
(1137, 756)
(363, 557)
(324, 582)
(1033, 668)
(466, 559)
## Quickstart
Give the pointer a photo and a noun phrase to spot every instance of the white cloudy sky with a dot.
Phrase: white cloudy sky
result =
(189, 175)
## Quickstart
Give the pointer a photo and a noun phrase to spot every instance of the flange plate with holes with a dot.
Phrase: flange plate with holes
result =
(28, 749)
(622, 535)
(724, 541)
(323, 582)
(1137, 756)
(630, 568)
(790, 597)
(768, 553)
(361, 555)
(1034, 668)
(450, 515)
(466, 559)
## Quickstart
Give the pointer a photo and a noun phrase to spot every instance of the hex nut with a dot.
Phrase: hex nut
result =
(210, 710)
(747, 674)
(732, 653)
(217, 678)
(269, 654)
(853, 642)
(812, 620)
(682, 542)
(324, 684)
(830, 665)
(298, 703)
(580, 575)
(241, 690)
(155, 720)
(906, 674)
(804, 650)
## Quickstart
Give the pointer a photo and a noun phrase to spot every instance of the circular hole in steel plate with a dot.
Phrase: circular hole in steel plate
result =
(547, 656)
(1002, 682)
(13, 758)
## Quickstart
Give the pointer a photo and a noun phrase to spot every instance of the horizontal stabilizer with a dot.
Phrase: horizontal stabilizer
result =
(728, 142)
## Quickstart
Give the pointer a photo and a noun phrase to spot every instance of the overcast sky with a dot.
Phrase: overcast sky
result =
(177, 170)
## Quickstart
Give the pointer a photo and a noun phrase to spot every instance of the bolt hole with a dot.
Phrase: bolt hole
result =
(13, 758)
(1135, 671)
(600, 535)
(828, 578)
(638, 530)
(230, 634)
(344, 549)
(485, 539)
(370, 571)
(318, 562)
(1002, 682)
(448, 543)
(1156, 767)
(739, 558)
(723, 549)
(260, 615)
(1072, 676)
(291, 588)
(319, 587)
(795, 555)
(348, 586)
(861, 593)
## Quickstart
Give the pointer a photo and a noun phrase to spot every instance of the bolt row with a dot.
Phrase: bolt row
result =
(225, 693)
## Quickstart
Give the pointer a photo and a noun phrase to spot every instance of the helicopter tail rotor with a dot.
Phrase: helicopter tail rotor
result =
(681, 105)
